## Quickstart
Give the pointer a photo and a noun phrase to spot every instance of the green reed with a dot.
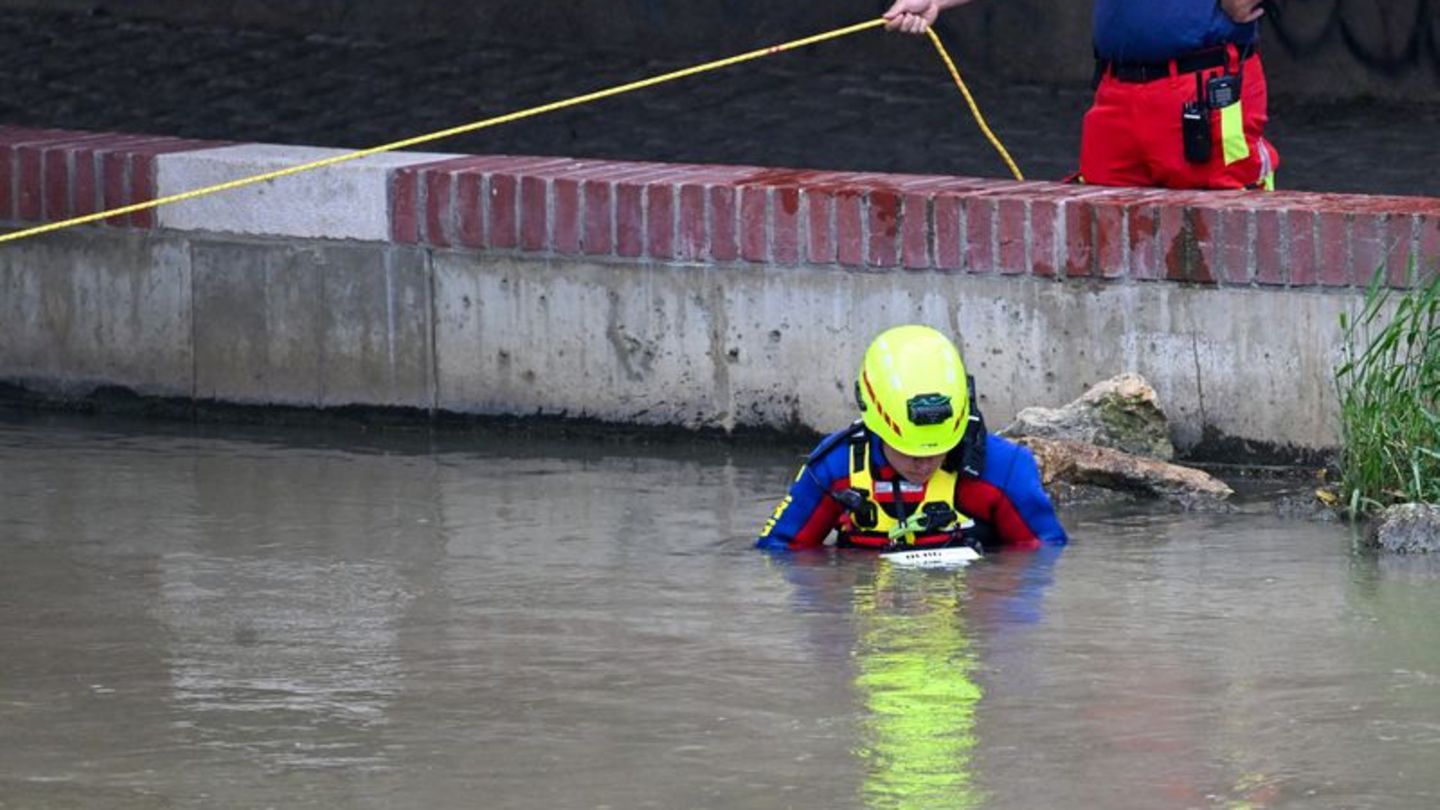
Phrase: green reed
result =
(1389, 387)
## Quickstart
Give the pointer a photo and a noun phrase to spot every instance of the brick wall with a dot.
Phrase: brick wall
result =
(789, 217)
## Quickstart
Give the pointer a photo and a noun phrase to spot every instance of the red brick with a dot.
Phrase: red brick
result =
(915, 231)
(1146, 257)
(1428, 245)
(1011, 217)
(404, 201)
(614, 209)
(820, 230)
(111, 169)
(24, 154)
(1270, 255)
(628, 204)
(470, 208)
(502, 211)
(83, 200)
(599, 219)
(629, 220)
(922, 184)
(534, 212)
(979, 234)
(883, 212)
(438, 186)
(1046, 223)
(724, 243)
(1186, 242)
(1368, 234)
(1046, 231)
(533, 178)
(57, 184)
(1124, 222)
(1111, 240)
(1235, 248)
(1079, 258)
(691, 242)
(1300, 241)
(7, 183)
(968, 186)
(785, 225)
(949, 244)
(1171, 234)
(660, 221)
(779, 177)
(12, 139)
(1334, 244)
(566, 228)
(29, 176)
(755, 224)
(1398, 244)
(85, 191)
(849, 227)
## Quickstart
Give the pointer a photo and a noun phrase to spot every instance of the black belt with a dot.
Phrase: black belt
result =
(1139, 72)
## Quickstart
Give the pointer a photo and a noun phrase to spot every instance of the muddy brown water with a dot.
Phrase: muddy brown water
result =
(265, 617)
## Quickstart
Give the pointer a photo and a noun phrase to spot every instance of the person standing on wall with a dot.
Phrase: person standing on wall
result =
(1180, 100)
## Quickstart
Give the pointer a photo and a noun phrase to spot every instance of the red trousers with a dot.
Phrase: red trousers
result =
(1132, 135)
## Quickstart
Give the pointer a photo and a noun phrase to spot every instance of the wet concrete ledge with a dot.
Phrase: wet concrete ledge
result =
(705, 298)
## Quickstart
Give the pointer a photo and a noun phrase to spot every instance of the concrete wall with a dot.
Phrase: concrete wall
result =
(1326, 48)
(699, 296)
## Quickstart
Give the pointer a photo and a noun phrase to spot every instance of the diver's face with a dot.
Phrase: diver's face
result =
(915, 469)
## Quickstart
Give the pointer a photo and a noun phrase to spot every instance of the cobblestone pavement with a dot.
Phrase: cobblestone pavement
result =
(795, 109)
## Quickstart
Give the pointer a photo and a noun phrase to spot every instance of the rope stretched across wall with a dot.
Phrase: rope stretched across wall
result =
(473, 126)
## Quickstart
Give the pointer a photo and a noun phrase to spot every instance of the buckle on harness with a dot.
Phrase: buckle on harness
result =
(933, 517)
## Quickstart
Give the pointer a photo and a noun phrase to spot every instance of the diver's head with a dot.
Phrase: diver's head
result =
(912, 393)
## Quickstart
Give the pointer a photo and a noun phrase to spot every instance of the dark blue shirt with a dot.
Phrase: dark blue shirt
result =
(1157, 30)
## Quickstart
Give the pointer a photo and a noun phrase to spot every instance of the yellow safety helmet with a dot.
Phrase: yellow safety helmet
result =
(912, 391)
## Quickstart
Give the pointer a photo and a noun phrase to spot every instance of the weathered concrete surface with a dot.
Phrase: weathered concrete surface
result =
(82, 311)
(311, 324)
(708, 347)
(614, 342)
(328, 323)
(342, 201)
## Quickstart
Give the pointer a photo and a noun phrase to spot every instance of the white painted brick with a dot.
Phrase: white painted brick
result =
(343, 201)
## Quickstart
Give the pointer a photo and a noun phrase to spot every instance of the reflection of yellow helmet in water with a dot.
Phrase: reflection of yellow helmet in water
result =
(912, 391)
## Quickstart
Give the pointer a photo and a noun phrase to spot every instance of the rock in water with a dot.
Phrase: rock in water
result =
(1122, 413)
(1065, 463)
(1407, 528)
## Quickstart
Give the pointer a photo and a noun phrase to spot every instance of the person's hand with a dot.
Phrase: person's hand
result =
(1241, 11)
(912, 16)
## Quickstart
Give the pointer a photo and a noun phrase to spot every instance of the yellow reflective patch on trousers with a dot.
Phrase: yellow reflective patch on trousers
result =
(1232, 134)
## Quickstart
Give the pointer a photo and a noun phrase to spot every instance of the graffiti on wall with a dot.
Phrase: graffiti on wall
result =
(1390, 37)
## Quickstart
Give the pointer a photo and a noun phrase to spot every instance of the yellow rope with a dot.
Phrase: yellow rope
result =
(504, 119)
(974, 109)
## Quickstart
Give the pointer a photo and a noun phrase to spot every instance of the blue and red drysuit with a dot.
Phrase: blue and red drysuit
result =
(1006, 498)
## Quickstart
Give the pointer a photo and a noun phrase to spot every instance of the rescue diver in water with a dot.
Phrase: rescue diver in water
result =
(919, 469)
